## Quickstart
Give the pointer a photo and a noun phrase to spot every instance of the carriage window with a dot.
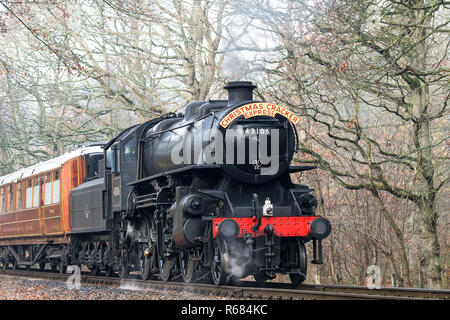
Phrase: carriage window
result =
(129, 151)
(3, 203)
(36, 196)
(19, 198)
(48, 193)
(56, 187)
(10, 197)
(29, 195)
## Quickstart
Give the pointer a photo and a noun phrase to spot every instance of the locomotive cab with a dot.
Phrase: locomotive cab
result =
(120, 167)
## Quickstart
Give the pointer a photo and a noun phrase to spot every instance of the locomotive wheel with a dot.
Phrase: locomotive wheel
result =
(145, 258)
(219, 265)
(144, 265)
(42, 265)
(53, 266)
(297, 278)
(165, 268)
(187, 266)
(62, 267)
(165, 262)
(124, 269)
(260, 278)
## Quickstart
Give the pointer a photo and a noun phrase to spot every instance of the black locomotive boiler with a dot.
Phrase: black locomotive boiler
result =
(204, 195)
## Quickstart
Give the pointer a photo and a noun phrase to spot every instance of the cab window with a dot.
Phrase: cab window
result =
(112, 157)
(129, 151)
(110, 163)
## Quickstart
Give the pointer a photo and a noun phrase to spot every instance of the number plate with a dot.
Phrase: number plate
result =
(254, 131)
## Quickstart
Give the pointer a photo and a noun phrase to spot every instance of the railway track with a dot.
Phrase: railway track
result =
(251, 290)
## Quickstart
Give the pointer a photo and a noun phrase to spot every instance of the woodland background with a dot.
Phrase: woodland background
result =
(370, 80)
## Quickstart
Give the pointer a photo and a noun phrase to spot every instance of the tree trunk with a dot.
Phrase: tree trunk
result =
(423, 141)
(406, 278)
(430, 246)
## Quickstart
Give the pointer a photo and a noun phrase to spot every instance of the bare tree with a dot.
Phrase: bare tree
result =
(373, 79)
(81, 71)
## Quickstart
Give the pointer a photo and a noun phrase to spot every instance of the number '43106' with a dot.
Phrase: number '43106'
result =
(257, 131)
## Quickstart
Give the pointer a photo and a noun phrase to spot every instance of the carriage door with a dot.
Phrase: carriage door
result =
(41, 204)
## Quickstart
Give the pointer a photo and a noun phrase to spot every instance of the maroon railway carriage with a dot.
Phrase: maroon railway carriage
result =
(34, 209)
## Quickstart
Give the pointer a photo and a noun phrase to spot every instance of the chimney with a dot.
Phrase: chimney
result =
(239, 92)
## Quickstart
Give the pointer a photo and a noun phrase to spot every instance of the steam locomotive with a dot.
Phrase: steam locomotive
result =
(205, 195)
